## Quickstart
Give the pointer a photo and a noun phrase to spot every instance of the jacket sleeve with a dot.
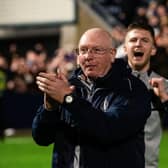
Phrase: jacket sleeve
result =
(46, 126)
(123, 119)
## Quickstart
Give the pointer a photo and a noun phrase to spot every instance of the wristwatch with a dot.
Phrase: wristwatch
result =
(68, 98)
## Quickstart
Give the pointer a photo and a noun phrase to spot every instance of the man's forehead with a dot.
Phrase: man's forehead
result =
(96, 38)
(139, 32)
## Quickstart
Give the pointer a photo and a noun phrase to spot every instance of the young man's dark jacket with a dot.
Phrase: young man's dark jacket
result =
(106, 119)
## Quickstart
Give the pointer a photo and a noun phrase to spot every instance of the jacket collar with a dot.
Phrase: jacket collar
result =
(113, 78)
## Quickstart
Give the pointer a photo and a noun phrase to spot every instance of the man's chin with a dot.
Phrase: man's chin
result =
(91, 75)
(137, 62)
(138, 67)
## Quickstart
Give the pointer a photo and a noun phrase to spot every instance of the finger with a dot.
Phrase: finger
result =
(38, 83)
(41, 88)
(155, 84)
(44, 87)
(41, 79)
(62, 76)
(47, 75)
(72, 88)
(41, 84)
(44, 74)
(44, 80)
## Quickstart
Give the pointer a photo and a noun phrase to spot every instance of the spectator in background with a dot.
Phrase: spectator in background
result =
(161, 11)
(120, 9)
(24, 69)
(62, 61)
(118, 35)
(141, 13)
(139, 47)
(12, 52)
(160, 62)
(97, 118)
(18, 70)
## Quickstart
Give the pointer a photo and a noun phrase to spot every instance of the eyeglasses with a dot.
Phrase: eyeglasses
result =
(94, 50)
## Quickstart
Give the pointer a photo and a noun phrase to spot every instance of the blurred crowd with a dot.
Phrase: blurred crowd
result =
(21, 69)
(18, 71)
(125, 11)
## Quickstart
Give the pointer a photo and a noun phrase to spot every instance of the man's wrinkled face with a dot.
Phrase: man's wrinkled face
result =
(95, 54)
(139, 47)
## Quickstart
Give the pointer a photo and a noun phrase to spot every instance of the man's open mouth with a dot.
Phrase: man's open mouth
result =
(138, 54)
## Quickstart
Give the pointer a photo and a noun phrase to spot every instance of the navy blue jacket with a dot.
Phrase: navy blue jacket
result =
(106, 119)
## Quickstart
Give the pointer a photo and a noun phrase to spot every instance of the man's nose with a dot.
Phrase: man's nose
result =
(138, 42)
(90, 51)
(89, 54)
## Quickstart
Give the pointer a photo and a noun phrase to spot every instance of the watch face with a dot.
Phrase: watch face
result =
(69, 99)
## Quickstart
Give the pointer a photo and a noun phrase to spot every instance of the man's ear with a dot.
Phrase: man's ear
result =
(77, 60)
(124, 49)
(113, 53)
(153, 52)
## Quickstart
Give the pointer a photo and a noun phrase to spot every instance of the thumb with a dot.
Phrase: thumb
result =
(63, 77)
(72, 88)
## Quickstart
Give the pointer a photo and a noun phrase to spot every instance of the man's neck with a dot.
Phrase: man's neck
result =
(140, 69)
